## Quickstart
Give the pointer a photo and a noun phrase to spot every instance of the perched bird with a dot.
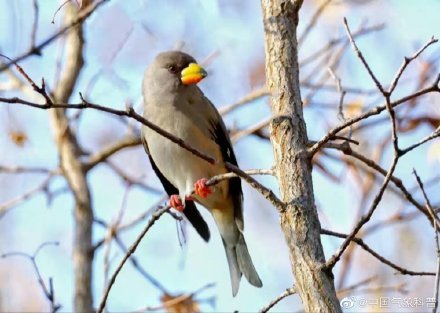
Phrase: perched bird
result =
(173, 102)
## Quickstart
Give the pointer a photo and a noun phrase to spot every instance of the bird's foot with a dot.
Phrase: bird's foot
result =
(201, 189)
(176, 202)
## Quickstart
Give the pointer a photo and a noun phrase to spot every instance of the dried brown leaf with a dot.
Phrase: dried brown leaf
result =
(180, 304)
(410, 124)
(19, 138)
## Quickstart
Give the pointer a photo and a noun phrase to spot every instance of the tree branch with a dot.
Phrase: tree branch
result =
(383, 260)
(285, 294)
(36, 50)
(156, 215)
(299, 219)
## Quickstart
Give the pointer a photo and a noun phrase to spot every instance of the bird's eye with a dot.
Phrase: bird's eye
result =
(172, 69)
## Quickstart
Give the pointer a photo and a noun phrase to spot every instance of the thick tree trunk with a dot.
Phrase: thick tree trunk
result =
(299, 219)
(73, 170)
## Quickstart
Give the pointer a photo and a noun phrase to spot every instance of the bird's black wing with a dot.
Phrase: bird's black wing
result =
(190, 211)
(221, 137)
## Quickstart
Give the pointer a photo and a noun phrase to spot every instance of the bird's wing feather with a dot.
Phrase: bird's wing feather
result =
(221, 137)
(190, 211)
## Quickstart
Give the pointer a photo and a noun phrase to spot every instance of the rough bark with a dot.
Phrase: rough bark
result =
(298, 217)
(73, 170)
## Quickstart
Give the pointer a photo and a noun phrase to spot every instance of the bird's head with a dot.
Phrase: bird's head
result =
(175, 68)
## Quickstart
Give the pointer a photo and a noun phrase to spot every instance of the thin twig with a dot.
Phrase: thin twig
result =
(106, 152)
(313, 21)
(365, 218)
(23, 169)
(376, 167)
(286, 293)
(254, 128)
(328, 87)
(154, 217)
(129, 112)
(388, 105)
(36, 50)
(375, 111)
(35, 24)
(361, 57)
(266, 192)
(211, 182)
(47, 291)
(342, 92)
(133, 260)
(41, 187)
(138, 267)
(400, 288)
(355, 286)
(364, 246)
(433, 135)
(216, 179)
(407, 61)
(110, 232)
(328, 47)
(133, 181)
(436, 240)
(252, 96)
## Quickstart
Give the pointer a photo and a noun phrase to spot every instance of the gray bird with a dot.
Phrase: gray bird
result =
(173, 101)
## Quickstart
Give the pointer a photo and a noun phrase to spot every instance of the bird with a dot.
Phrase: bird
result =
(174, 102)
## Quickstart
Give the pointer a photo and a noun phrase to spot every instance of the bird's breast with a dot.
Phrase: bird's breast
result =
(181, 167)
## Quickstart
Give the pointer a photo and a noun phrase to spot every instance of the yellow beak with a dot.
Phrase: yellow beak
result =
(192, 74)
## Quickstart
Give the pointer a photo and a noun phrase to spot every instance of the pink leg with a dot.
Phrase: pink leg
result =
(201, 189)
(176, 203)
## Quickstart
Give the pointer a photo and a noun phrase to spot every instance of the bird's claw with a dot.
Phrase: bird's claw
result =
(176, 202)
(201, 189)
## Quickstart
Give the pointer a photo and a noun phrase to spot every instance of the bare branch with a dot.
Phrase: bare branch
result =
(35, 24)
(388, 104)
(133, 181)
(41, 187)
(138, 267)
(328, 87)
(108, 151)
(341, 115)
(266, 192)
(156, 215)
(328, 47)
(364, 246)
(36, 50)
(252, 96)
(211, 182)
(361, 57)
(356, 285)
(433, 217)
(288, 292)
(22, 169)
(48, 292)
(377, 110)
(254, 128)
(407, 61)
(129, 113)
(313, 21)
(434, 134)
(376, 167)
(365, 218)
